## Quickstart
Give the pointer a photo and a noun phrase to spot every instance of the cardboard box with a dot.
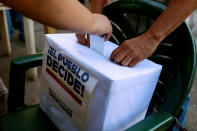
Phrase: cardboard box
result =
(83, 90)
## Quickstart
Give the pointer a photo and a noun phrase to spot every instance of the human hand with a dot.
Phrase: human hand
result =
(132, 51)
(83, 39)
(104, 29)
(102, 26)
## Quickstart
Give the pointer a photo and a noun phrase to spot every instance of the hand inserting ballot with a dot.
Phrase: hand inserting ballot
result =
(131, 51)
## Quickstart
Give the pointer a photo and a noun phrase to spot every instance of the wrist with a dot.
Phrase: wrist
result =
(154, 37)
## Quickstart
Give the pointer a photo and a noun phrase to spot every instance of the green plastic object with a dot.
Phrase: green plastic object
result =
(21, 117)
(177, 55)
(17, 78)
(27, 118)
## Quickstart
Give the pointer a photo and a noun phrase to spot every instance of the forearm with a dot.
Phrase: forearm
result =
(176, 12)
(63, 14)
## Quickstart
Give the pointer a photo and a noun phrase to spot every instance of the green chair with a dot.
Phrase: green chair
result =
(177, 54)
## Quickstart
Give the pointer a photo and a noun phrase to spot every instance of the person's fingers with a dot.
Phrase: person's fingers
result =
(119, 56)
(88, 40)
(127, 59)
(114, 52)
(134, 62)
(107, 36)
(81, 38)
(137, 58)
(77, 35)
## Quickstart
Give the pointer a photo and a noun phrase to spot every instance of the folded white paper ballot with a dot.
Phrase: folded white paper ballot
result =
(97, 44)
(83, 90)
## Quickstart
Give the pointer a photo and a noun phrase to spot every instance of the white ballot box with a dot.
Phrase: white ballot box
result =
(85, 91)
